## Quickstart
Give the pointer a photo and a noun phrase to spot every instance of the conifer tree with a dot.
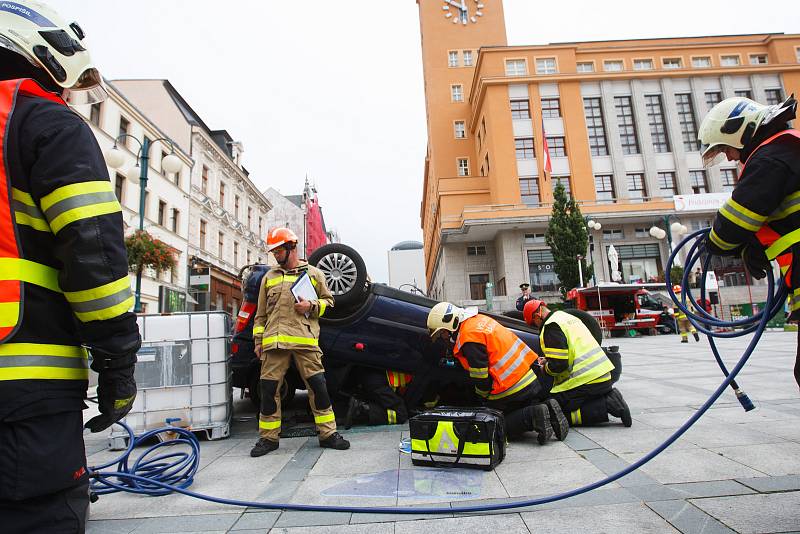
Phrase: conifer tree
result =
(567, 238)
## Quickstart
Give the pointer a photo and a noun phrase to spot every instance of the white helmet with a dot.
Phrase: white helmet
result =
(445, 316)
(40, 35)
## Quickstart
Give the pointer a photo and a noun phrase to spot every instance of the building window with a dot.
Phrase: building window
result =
(523, 147)
(758, 59)
(613, 65)
(452, 58)
(655, 118)
(203, 226)
(535, 239)
(457, 93)
(222, 194)
(94, 113)
(672, 63)
(460, 130)
(556, 147)
(119, 186)
(563, 180)
(642, 64)
(463, 167)
(774, 96)
(551, 108)
(546, 65)
(235, 254)
(249, 218)
(260, 227)
(641, 232)
(712, 99)
(236, 206)
(585, 66)
(529, 190)
(613, 235)
(467, 55)
(728, 179)
(477, 286)
(516, 67)
(594, 124)
(204, 181)
(697, 181)
(604, 188)
(797, 54)
(636, 188)
(666, 183)
(744, 93)
(221, 244)
(520, 109)
(476, 250)
(687, 122)
(162, 212)
(542, 269)
(729, 61)
(175, 220)
(124, 126)
(703, 62)
(627, 125)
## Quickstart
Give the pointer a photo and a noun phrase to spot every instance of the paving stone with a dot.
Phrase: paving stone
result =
(746, 514)
(112, 526)
(387, 528)
(772, 484)
(654, 492)
(509, 522)
(312, 491)
(187, 523)
(578, 441)
(256, 520)
(633, 518)
(610, 464)
(772, 459)
(306, 519)
(390, 518)
(529, 451)
(717, 488)
(692, 465)
(621, 440)
(548, 476)
(687, 518)
(354, 462)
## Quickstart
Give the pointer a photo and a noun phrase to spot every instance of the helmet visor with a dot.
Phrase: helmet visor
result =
(714, 155)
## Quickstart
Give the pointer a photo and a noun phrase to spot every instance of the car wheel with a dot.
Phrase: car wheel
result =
(344, 270)
(590, 322)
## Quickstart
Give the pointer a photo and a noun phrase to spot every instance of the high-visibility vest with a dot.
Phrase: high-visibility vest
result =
(397, 380)
(510, 358)
(587, 360)
(21, 361)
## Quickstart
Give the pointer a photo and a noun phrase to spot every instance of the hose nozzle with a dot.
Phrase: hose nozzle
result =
(744, 400)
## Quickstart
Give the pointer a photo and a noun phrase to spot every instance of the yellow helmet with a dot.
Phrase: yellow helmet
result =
(37, 33)
(444, 316)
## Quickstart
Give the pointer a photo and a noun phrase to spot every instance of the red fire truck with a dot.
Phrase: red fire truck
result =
(628, 308)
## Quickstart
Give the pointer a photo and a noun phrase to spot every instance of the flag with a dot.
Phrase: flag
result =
(547, 165)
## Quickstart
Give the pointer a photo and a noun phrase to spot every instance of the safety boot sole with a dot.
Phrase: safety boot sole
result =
(541, 423)
(557, 420)
(621, 409)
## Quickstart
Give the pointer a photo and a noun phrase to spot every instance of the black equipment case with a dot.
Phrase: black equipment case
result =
(458, 437)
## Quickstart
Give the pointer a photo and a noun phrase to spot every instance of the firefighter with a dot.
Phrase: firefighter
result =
(64, 285)
(286, 329)
(684, 325)
(499, 366)
(384, 393)
(576, 370)
(761, 220)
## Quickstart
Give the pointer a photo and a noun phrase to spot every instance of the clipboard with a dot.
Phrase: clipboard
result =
(303, 288)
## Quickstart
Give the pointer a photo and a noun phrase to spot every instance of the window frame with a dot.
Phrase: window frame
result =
(459, 167)
(728, 172)
(672, 176)
(524, 146)
(626, 125)
(556, 148)
(707, 100)
(560, 179)
(457, 93)
(464, 56)
(637, 180)
(529, 189)
(657, 121)
(771, 91)
(607, 188)
(723, 57)
(547, 112)
(516, 61)
(546, 71)
(666, 65)
(693, 186)
(527, 101)
(453, 54)
(463, 130)
(695, 58)
(473, 284)
(686, 111)
(640, 59)
(595, 148)
(590, 63)
(609, 61)
(750, 58)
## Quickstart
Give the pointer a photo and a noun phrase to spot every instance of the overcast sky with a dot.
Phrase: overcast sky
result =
(334, 89)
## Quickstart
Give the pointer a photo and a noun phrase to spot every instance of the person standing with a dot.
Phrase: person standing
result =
(577, 371)
(525, 297)
(286, 329)
(684, 325)
(499, 366)
(64, 284)
(760, 221)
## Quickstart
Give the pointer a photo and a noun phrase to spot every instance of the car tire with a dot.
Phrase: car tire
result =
(345, 272)
(590, 322)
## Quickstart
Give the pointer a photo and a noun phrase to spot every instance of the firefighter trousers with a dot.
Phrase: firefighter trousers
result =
(386, 407)
(274, 365)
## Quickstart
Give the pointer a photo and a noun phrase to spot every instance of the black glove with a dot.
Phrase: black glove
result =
(756, 261)
(116, 391)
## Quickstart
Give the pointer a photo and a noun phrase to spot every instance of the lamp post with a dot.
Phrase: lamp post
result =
(676, 227)
(138, 174)
(592, 225)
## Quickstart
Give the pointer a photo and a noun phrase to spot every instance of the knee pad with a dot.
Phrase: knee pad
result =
(321, 399)
(268, 389)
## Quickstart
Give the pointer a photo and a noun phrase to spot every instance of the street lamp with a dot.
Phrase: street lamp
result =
(138, 174)
(591, 224)
(676, 227)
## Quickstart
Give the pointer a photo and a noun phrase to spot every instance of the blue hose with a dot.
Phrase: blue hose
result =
(156, 477)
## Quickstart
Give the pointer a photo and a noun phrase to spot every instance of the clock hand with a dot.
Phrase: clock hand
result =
(464, 12)
(455, 4)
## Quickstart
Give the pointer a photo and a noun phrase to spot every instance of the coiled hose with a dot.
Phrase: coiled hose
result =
(159, 476)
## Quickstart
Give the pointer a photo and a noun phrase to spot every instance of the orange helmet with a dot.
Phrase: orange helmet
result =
(279, 236)
(531, 307)
(677, 289)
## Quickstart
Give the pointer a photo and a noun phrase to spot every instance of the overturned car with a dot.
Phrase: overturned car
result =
(371, 326)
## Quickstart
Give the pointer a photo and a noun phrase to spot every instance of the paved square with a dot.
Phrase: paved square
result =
(734, 471)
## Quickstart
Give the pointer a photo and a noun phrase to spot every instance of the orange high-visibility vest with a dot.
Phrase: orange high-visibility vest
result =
(398, 380)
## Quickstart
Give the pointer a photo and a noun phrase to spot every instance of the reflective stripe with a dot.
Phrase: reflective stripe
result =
(576, 417)
(29, 272)
(524, 382)
(586, 368)
(719, 242)
(103, 302)
(586, 356)
(290, 339)
(322, 307)
(327, 418)
(283, 278)
(519, 361)
(602, 378)
(258, 330)
(391, 416)
(478, 372)
(269, 425)
(27, 212)
(789, 205)
(794, 300)
(74, 202)
(507, 356)
(741, 216)
(783, 243)
(9, 313)
(562, 351)
(21, 361)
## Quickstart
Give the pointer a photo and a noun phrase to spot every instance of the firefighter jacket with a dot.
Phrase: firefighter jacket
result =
(64, 281)
(277, 325)
(502, 365)
(577, 359)
(764, 208)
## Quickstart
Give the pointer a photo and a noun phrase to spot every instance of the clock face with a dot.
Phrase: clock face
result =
(463, 12)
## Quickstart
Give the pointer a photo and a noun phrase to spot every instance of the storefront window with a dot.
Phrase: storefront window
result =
(541, 266)
(639, 263)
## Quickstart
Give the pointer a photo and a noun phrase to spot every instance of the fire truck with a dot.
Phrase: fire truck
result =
(625, 308)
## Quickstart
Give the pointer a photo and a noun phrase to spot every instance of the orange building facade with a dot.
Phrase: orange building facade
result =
(620, 119)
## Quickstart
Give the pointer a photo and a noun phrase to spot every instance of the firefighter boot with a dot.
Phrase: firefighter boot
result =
(617, 407)
(263, 446)
(334, 441)
(356, 411)
(696, 336)
(540, 422)
(557, 420)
